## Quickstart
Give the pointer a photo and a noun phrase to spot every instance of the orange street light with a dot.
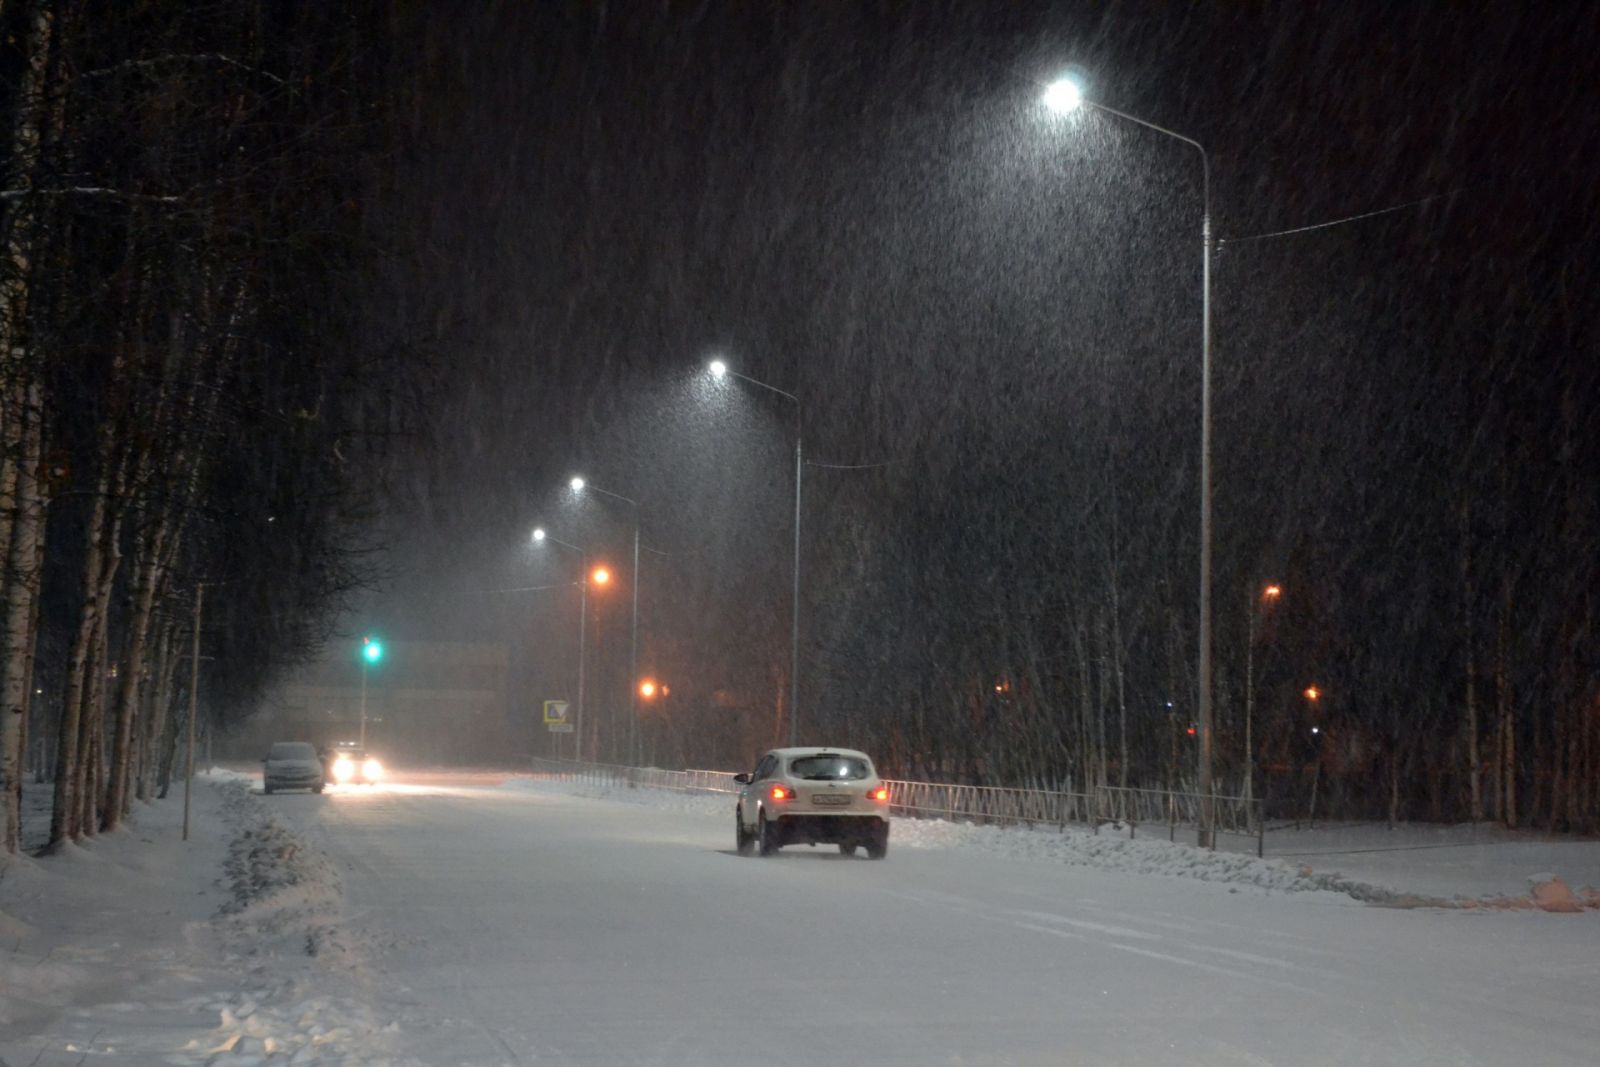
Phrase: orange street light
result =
(647, 689)
(1271, 592)
(600, 576)
(1312, 693)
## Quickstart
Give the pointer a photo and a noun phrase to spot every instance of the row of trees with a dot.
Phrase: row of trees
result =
(184, 400)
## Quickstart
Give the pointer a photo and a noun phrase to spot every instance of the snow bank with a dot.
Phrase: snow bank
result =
(283, 923)
(131, 947)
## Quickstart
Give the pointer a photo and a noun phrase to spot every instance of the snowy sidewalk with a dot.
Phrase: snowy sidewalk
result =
(143, 948)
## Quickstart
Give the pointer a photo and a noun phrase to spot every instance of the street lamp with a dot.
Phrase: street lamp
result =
(1269, 596)
(720, 370)
(578, 485)
(371, 653)
(1065, 96)
(601, 577)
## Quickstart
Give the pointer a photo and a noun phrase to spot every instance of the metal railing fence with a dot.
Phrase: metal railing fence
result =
(1099, 806)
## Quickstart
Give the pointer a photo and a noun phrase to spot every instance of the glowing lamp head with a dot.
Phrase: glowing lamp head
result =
(1063, 96)
(576, 484)
(1312, 693)
(718, 368)
(538, 533)
(647, 689)
(600, 576)
(371, 649)
(1272, 592)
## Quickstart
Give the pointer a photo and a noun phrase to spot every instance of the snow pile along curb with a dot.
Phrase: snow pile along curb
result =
(285, 904)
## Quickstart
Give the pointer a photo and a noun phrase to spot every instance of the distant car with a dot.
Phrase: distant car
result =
(292, 765)
(811, 796)
(349, 762)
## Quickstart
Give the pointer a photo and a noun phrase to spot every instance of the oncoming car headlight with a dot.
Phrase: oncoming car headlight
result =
(344, 769)
(372, 770)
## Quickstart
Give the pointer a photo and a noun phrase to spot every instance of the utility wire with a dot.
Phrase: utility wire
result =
(1341, 222)
(849, 466)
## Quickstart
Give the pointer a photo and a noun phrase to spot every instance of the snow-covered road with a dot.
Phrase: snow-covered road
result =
(480, 920)
(535, 926)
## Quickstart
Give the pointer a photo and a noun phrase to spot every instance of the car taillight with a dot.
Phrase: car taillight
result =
(879, 794)
(780, 792)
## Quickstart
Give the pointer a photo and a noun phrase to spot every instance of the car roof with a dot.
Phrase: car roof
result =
(814, 750)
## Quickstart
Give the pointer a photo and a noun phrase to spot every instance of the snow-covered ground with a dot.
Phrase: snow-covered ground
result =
(468, 920)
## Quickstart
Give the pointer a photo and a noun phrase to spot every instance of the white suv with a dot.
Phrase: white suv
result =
(809, 796)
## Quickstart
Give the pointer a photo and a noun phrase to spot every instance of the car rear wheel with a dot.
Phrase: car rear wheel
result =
(766, 837)
(846, 849)
(878, 847)
(743, 839)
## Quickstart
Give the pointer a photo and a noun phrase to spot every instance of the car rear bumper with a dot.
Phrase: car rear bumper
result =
(292, 783)
(832, 829)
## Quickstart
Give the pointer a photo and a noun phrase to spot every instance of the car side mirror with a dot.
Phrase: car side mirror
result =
(742, 779)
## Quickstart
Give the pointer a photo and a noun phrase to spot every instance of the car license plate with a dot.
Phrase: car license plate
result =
(830, 798)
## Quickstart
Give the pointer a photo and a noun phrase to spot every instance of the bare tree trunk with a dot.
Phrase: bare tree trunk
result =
(1508, 733)
(22, 587)
(22, 433)
(160, 710)
(1474, 771)
(92, 739)
(1394, 783)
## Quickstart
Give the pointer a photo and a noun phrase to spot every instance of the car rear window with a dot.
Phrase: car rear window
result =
(830, 768)
(292, 750)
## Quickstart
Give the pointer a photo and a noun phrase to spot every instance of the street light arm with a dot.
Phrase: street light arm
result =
(1205, 160)
(769, 388)
(567, 544)
(615, 496)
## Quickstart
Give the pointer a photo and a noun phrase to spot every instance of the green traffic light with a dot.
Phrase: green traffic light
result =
(371, 649)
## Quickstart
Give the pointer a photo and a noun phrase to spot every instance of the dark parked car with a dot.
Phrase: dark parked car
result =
(292, 765)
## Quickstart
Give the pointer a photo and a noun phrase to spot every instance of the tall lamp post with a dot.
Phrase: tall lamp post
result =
(539, 537)
(1268, 597)
(371, 652)
(578, 485)
(1065, 96)
(720, 369)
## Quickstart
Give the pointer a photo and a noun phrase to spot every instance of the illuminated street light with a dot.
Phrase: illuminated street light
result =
(1066, 95)
(1268, 596)
(600, 576)
(647, 689)
(578, 486)
(718, 370)
(1063, 96)
(1312, 693)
